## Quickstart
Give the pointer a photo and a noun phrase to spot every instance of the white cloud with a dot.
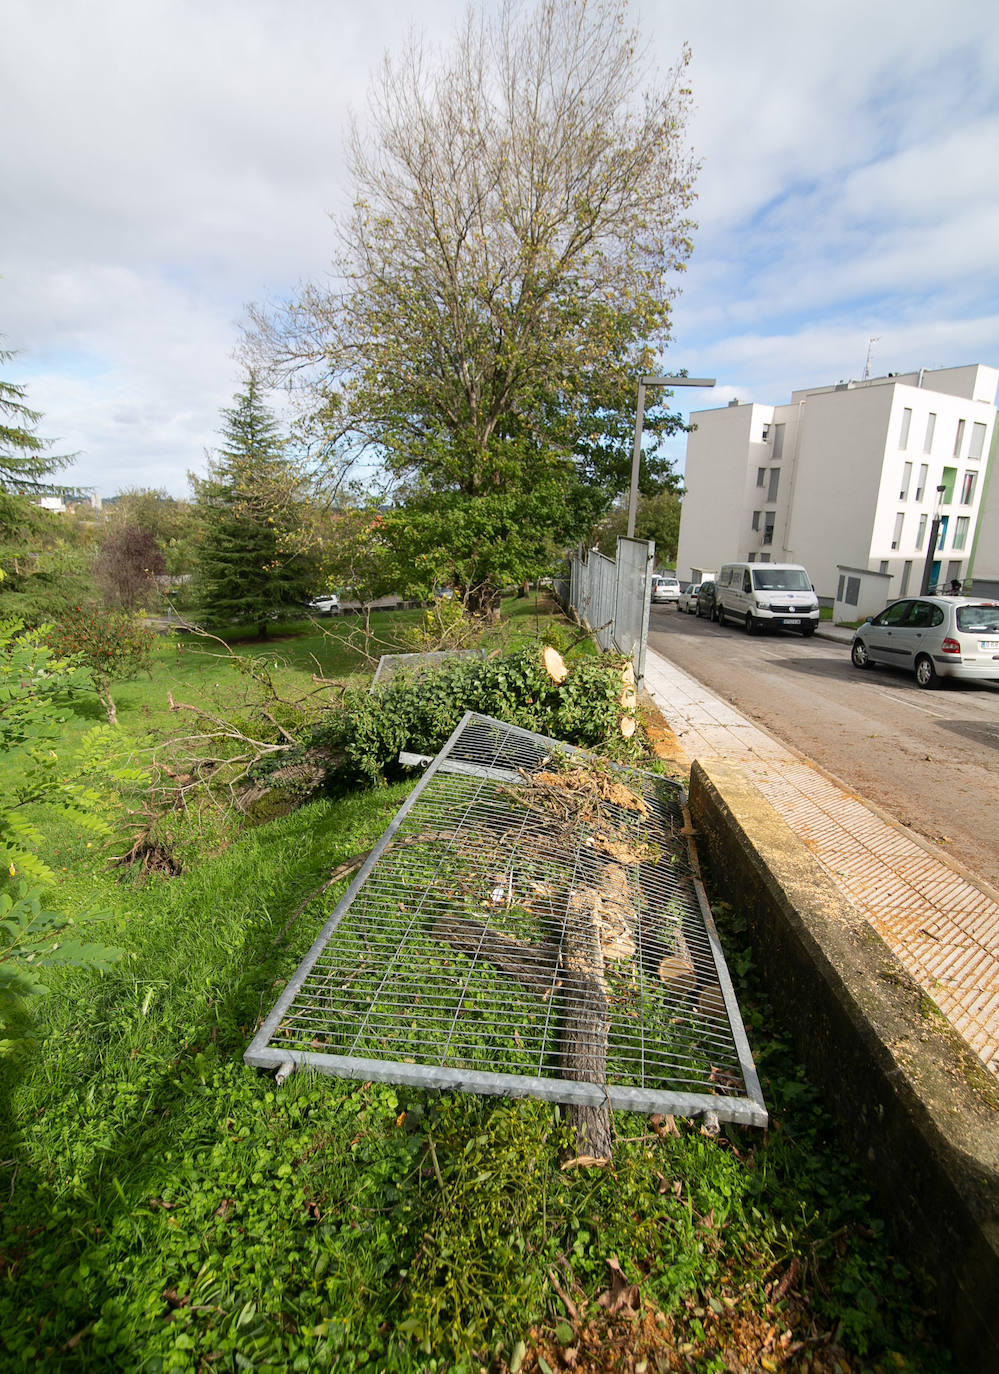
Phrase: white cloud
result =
(171, 161)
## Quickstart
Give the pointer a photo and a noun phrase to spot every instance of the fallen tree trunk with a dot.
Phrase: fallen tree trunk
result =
(585, 1027)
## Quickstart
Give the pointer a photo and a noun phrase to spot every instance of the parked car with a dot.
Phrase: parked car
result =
(327, 604)
(665, 590)
(934, 637)
(706, 601)
(763, 594)
(688, 598)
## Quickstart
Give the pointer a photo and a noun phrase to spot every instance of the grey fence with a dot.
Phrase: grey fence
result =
(611, 596)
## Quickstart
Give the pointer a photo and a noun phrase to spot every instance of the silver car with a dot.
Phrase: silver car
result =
(934, 637)
(665, 590)
(688, 598)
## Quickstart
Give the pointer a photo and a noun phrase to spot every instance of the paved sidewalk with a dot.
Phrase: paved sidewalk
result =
(942, 924)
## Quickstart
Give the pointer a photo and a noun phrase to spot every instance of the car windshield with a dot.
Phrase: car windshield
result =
(781, 580)
(972, 619)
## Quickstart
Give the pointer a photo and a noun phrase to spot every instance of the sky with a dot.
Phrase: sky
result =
(163, 163)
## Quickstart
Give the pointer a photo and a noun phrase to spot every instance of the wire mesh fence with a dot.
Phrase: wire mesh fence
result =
(412, 665)
(531, 924)
(611, 596)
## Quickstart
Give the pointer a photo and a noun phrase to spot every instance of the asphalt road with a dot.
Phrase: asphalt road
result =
(929, 758)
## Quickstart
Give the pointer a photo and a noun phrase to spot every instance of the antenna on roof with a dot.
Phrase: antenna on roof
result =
(867, 364)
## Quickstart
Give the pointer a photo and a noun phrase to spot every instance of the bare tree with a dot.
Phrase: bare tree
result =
(128, 564)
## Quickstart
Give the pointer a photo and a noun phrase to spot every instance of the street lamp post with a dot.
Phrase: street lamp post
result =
(643, 382)
(934, 536)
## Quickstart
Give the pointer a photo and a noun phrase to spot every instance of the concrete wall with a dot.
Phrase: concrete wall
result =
(842, 475)
(916, 1108)
(723, 454)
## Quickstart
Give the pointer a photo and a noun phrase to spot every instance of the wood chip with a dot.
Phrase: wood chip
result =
(679, 975)
(554, 664)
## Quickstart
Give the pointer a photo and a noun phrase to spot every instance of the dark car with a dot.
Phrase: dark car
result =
(706, 603)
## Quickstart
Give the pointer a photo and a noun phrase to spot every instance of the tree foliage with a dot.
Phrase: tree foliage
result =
(520, 210)
(25, 460)
(128, 563)
(38, 689)
(42, 567)
(170, 523)
(256, 556)
(111, 645)
(657, 517)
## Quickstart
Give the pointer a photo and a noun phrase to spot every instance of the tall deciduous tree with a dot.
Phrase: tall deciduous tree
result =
(520, 210)
(255, 559)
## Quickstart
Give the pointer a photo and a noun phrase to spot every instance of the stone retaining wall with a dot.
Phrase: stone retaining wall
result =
(917, 1109)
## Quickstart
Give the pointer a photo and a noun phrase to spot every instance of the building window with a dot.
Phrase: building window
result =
(774, 482)
(761, 476)
(752, 558)
(768, 527)
(756, 519)
(954, 571)
(961, 531)
(766, 433)
(977, 445)
(883, 566)
(852, 591)
(931, 424)
(921, 484)
(839, 588)
(764, 558)
(921, 533)
(903, 434)
(906, 574)
(959, 439)
(968, 488)
(906, 479)
(778, 441)
(896, 538)
(948, 482)
(944, 522)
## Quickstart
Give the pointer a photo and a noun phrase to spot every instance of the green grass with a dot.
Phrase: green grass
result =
(167, 1208)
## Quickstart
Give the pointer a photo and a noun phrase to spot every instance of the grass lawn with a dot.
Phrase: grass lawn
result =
(166, 1208)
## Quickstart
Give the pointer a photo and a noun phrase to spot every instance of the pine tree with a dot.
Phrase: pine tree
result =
(254, 562)
(24, 458)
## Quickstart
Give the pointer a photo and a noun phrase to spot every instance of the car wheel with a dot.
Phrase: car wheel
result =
(721, 616)
(926, 674)
(716, 612)
(750, 623)
(859, 656)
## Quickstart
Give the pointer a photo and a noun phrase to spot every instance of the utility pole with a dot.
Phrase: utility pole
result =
(643, 382)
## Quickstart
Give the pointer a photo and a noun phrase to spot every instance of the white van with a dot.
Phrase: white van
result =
(762, 594)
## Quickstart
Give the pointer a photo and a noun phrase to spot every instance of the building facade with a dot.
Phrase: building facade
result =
(851, 474)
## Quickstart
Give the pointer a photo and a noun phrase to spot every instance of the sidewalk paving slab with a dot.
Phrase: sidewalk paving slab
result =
(940, 921)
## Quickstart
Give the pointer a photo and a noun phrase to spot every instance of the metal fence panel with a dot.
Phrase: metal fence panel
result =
(635, 564)
(529, 911)
(611, 596)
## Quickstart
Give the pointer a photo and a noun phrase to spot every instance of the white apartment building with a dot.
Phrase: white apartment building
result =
(844, 475)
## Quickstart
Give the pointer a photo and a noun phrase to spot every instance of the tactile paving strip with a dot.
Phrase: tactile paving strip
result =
(942, 927)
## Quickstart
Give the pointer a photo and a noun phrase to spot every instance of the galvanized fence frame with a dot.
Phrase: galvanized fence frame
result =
(738, 1099)
(611, 597)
